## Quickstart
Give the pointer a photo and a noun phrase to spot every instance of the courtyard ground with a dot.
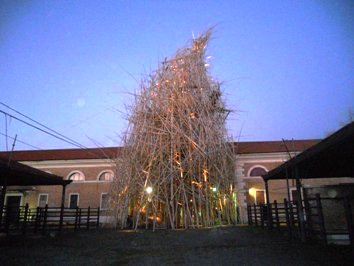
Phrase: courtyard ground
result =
(215, 246)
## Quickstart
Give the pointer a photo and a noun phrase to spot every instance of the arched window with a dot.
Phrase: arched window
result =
(257, 171)
(106, 175)
(76, 176)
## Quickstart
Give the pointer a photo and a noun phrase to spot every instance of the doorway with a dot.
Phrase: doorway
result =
(260, 199)
(73, 200)
(13, 203)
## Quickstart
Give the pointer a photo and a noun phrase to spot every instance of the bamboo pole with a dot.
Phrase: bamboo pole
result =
(176, 143)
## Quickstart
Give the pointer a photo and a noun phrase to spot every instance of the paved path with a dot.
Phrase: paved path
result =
(216, 246)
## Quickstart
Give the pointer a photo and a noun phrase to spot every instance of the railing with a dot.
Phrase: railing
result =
(281, 216)
(319, 220)
(22, 219)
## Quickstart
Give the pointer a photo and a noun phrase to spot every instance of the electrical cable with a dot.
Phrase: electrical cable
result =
(44, 131)
(52, 130)
(52, 133)
(20, 141)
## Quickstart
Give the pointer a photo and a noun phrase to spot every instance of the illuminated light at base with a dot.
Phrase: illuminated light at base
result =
(220, 205)
(205, 174)
(158, 219)
(193, 115)
(252, 192)
(181, 173)
(148, 190)
(196, 183)
(234, 199)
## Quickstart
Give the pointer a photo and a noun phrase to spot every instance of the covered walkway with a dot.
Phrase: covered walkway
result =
(13, 173)
(332, 157)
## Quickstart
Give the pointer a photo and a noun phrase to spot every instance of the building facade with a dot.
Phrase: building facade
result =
(93, 170)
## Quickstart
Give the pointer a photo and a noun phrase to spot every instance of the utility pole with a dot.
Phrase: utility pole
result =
(286, 170)
(4, 187)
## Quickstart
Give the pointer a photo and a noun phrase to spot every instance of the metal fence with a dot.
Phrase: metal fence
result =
(24, 220)
(324, 219)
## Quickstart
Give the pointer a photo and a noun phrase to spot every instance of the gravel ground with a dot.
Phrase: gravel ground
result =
(215, 246)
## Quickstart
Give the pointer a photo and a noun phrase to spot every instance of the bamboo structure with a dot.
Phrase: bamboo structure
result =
(177, 167)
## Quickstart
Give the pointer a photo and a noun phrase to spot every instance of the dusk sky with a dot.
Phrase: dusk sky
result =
(287, 67)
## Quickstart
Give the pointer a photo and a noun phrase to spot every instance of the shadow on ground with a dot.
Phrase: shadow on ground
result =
(216, 246)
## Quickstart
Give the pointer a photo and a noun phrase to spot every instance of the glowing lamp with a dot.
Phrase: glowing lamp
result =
(148, 190)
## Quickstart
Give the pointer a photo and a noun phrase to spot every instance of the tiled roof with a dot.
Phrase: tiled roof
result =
(64, 154)
(273, 146)
(113, 152)
(331, 157)
(18, 174)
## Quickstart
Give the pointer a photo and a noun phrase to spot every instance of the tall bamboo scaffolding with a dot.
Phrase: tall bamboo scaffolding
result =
(177, 167)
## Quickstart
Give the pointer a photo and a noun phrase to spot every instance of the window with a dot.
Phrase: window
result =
(42, 200)
(104, 201)
(76, 176)
(106, 176)
(257, 171)
(73, 200)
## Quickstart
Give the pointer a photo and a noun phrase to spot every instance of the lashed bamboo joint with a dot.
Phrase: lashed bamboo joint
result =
(177, 168)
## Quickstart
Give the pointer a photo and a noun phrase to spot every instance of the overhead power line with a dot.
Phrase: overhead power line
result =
(20, 141)
(49, 131)
(67, 140)
(44, 126)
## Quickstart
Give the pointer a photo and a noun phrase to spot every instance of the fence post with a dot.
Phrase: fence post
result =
(349, 218)
(255, 214)
(307, 214)
(270, 215)
(276, 214)
(7, 220)
(24, 225)
(98, 218)
(249, 214)
(45, 219)
(37, 221)
(291, 212)
(61, 218)
(320, 216)
(286, 206)
(76, 217)
(261, 210)
(18, 217)
(79, 218)
(88, 218)
(303, 227)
